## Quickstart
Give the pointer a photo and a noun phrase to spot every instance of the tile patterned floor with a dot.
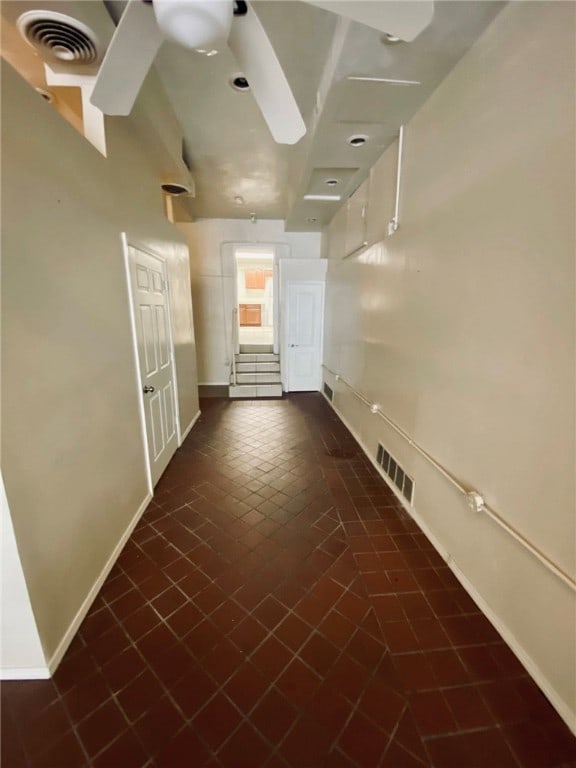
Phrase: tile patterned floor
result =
(276, 607)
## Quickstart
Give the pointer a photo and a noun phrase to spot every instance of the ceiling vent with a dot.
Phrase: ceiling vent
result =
(59, 39)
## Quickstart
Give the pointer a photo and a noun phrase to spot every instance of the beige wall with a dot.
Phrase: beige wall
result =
(212, 280)
(461, 325)
(72, 453)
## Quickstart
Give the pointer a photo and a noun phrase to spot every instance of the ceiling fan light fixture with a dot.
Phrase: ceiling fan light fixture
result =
(196, 24)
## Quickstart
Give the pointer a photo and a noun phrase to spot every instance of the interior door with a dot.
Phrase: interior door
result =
(156, 359)
(304, 310)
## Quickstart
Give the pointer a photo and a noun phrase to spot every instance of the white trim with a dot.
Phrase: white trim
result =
(25, 673)
(511, 640)
(172, 351)
(213, 383)
(285, 354)
(189, 427)
(513, 643)
(276, 299)
(138, 376)
(228, 250)
(136, 245)
(58, 654)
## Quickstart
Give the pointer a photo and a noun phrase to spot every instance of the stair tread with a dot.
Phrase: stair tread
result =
(258, 367)
(255, 391)
(244, 357)
(258, 378)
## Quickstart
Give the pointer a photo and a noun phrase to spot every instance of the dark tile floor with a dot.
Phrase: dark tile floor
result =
(276, 607)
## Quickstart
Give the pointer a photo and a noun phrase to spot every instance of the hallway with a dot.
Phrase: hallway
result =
(276, 607)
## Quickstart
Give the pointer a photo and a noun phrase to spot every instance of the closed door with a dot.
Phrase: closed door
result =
(155, 355)
(304, 309)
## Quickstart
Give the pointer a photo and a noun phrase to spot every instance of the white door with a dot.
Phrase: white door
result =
(304, 312)
(155, 356)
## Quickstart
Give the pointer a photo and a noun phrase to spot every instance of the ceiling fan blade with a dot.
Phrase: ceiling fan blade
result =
(130, 54)
(403, 18)
(259, 64)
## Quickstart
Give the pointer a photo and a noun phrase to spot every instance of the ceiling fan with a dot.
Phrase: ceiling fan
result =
(207, 25)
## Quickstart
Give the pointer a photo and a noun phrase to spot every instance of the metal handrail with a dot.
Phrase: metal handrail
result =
(473, 497)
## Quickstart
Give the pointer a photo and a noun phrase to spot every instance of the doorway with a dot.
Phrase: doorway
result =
(304, 309)
(256, 297)
(154, 350)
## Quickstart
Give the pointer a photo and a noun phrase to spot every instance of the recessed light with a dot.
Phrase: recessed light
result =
(389, 38)
(239, 83)
(357, 140)
(332, 182)
(239, 200)
(311, 220)
(207, 51)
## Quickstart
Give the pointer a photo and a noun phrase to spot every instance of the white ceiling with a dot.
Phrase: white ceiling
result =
(227, 141)
(227, 144)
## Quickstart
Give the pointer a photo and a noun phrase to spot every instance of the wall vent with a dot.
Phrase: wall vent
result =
(328, 392)
(396, 473)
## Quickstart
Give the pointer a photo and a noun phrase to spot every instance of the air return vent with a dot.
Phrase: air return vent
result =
(59, 38)
(328, 392)
(396, 473)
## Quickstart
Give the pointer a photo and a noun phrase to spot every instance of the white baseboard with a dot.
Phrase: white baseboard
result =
(186, 432)
(213, 383)
(24, 673)
(58, 654)
(510, 639)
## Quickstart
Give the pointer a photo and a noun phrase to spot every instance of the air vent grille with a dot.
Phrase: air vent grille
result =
(59, 38)
(328, 392)
(396, 473)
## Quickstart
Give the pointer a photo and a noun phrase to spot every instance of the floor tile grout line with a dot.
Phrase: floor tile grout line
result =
(353, 477)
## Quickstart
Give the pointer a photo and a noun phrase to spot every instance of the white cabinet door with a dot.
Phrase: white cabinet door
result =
(150, 303)
(356, 219)
(304, 309)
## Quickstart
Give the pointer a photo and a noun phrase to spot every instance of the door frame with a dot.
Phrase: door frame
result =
(285, 355)
(230, 296)
(134, 243)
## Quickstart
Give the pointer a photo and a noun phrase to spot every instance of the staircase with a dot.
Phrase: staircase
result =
(255, 373)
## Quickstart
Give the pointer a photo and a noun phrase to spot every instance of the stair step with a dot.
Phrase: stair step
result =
(244, 357)
(257, 378)
(258, 367)
(251, 391)
(256, 348)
